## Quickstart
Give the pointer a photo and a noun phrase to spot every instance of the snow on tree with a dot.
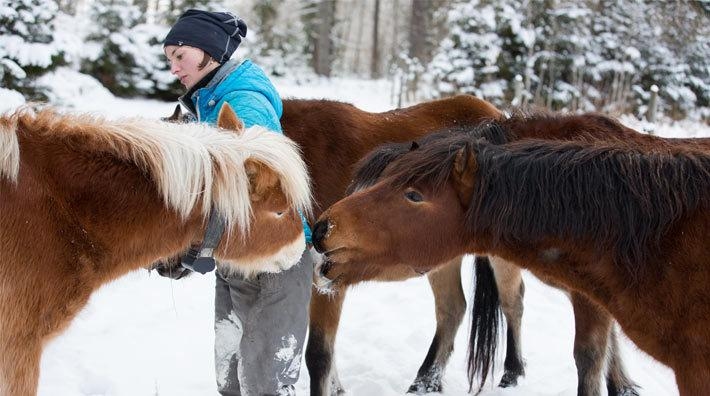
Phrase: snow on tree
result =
(277, 37)
(130, 61)
(27, 45)
(588, 55)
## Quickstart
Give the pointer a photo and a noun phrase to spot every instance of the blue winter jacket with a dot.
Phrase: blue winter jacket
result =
(250, 93)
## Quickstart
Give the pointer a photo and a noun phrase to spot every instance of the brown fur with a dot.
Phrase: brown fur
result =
(333, 137)
(82, 213)
(657, 293)
(587, 127)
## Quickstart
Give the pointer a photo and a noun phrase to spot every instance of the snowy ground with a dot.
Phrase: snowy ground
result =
(146, 335)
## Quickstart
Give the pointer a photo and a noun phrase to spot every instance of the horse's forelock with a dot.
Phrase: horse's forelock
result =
(275, 151)
(283, 156)
(430, 164)
(369, 169)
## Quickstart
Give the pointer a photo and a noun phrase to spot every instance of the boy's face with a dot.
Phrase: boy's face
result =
(184, 64)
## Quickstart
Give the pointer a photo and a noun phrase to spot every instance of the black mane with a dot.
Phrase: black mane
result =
(371, 167)
(623, 198)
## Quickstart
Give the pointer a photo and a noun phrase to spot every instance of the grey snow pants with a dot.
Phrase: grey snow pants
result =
(260, 330)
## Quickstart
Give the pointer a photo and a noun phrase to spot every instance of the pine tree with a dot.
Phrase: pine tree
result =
(277, 37)
(130, 61)
(467, 59)
(27, 46)
(114, 67)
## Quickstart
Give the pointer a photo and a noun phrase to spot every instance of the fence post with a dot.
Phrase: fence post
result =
(651, 113)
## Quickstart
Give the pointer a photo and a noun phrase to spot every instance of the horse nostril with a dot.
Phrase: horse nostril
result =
(325, 268)
(319, 231)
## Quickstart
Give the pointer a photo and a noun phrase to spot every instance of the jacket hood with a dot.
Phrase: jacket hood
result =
(244, 76)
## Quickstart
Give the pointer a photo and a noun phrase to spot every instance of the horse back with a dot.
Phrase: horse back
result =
(334, 135)
(593, 127)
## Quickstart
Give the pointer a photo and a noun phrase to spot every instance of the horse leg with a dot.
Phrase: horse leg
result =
(592, 328)
(450, 304)
(618, 382)
(693, 379)
(19, 366)
(511, 290)
(324, 319)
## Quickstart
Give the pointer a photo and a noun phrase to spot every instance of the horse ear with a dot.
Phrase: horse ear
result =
(261, 179)
(465, 167)
(227, 119)
(176, 116)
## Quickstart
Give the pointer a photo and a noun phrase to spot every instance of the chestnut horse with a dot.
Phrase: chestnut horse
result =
(333, 137)
(85, 200)
(621, 222)
(595, 337)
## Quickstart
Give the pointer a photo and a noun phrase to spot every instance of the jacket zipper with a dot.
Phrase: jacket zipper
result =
(197, 108)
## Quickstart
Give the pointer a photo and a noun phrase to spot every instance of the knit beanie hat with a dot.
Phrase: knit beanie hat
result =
(216, 33)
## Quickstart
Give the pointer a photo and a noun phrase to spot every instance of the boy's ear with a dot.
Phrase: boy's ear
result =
(227, 119)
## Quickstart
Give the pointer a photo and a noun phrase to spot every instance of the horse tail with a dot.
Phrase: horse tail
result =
(486, 317)
(9, 150)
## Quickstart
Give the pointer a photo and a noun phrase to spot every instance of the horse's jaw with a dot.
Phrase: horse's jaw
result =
(283, 259)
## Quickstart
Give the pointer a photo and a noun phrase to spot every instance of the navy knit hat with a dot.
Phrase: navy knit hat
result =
(217, 33)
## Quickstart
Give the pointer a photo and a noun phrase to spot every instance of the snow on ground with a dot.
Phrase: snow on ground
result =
(147, 335)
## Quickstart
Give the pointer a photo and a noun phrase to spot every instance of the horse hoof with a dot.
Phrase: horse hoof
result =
(425, 385)
(509, 379)
(337, 391)
(626, 391)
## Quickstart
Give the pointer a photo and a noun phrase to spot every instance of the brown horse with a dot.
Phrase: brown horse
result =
(85, 200)
(333, 137)
(623, 223)
(595, 337)
(302, 121)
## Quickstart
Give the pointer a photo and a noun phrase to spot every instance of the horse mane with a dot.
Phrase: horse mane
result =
(9, 150)
(371, 167)
(618, 195)
(189, 163)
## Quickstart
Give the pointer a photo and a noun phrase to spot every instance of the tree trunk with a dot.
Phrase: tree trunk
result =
(418, 26)
(323, 52)
(375, 60)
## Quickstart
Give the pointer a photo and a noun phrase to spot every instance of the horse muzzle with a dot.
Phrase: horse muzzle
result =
(170, 268)
(321, 265)
(319, 234)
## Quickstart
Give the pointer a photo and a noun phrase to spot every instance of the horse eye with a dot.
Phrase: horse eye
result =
(414, 196)
(279, 214)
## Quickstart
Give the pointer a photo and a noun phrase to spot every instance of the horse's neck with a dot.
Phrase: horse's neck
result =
(569, 128)
(107, 211)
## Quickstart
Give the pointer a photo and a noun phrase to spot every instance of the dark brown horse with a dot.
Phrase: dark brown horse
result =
(620, 222)
(85, 200)
(333, 137)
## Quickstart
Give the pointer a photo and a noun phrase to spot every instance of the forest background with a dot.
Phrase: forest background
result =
(583, 55)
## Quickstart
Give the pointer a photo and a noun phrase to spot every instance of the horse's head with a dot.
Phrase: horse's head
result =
(277, 191)
(413, 216)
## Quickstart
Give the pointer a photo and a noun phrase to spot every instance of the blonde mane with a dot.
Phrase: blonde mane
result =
(9, 151)
(189, 163)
